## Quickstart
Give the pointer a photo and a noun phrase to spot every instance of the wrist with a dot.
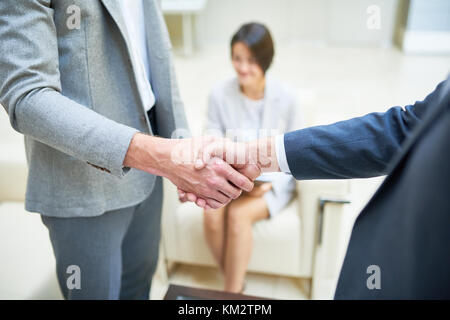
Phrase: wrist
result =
(148, 153)
(264, 154)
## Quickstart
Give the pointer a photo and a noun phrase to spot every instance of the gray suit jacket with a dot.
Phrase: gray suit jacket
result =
(73, 93)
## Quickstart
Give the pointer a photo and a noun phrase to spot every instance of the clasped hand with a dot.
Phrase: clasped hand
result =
(249, 159)
(208, 171)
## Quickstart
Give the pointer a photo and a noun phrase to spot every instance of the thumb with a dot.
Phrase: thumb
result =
(204, 155)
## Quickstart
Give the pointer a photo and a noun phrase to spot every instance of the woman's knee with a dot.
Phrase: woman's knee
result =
(213, 220)
(237, 218)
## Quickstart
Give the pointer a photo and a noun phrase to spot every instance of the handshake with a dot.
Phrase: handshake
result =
(207, 170)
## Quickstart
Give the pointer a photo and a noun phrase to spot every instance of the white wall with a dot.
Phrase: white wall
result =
(334, 22)
(427, 27)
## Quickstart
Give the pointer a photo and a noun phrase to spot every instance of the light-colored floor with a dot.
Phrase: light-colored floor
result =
(260, 285)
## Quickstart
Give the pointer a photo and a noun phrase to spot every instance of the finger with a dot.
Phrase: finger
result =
(199, 164)
(221, 148)
(213, 204)
(230, 190)
(181, 195)
(208, 152)
(202, 156)
(227, 188)
(219, 197)
(201, 203)
(191, 197)
(236, 178)
(251, 171)
(185, 199)
(185, 196)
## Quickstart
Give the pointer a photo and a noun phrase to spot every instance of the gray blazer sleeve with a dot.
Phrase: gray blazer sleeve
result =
(30, 91)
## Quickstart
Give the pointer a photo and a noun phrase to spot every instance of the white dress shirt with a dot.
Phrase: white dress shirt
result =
(281, 154)
(133, 16)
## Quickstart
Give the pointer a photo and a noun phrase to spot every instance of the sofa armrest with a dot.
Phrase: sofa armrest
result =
(330, 248)
(169, 209)
(310, 193)
(322, 203)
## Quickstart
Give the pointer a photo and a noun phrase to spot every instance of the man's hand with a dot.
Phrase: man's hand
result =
(258, 153)
(250, 159)
(216, 182)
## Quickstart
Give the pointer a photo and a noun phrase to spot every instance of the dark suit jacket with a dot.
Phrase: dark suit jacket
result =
(405, 227)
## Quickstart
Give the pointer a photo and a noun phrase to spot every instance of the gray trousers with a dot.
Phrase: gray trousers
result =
(116, 253)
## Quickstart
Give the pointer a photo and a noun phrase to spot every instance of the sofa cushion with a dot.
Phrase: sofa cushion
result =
(13, 166)
(277, 241)
(27, 269)
(13, 172)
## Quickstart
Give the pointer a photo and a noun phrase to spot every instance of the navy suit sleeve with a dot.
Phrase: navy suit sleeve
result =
(356, 148)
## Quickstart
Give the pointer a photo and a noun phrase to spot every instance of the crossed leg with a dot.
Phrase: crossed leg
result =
(228, 232)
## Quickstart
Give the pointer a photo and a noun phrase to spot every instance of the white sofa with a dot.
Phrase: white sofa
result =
(288, 245)
(27, 269)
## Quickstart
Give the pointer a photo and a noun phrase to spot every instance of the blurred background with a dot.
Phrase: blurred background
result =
(343, 58)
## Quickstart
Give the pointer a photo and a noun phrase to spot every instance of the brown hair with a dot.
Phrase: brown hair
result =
(257, 38)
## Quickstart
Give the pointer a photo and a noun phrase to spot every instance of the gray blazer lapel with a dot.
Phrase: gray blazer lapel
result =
(159, 51)
(114, 10)
(158, 40)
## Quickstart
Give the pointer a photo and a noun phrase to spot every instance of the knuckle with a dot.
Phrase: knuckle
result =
(204, 190)
(208, 192)
(226, 200)
(222, 198)
(216, 183)
(231, 174)
(218, 166)
(214, 205)
(211, 181)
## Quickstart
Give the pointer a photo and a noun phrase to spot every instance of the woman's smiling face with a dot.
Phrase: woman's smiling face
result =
(247, 69)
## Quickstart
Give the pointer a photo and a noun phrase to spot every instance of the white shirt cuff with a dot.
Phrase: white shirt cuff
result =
(281, 154)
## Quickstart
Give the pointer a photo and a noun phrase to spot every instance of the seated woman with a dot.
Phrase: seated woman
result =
(246, 106)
